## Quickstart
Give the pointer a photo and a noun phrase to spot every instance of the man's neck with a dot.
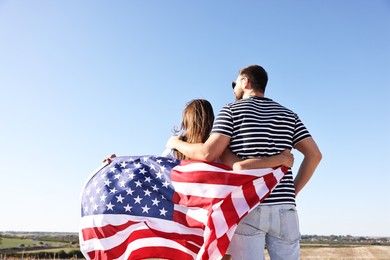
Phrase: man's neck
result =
(252, 93)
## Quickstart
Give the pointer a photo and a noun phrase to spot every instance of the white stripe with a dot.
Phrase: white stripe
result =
(154, 242)
(261, 188)
(219, 221)
(199, 214)
(199, 166)
(110, 242)
(239, 202)
(213, 251)
(203, 190)
(163, 225)
(120, 237)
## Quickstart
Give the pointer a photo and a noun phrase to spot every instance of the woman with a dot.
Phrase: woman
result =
(196, 125)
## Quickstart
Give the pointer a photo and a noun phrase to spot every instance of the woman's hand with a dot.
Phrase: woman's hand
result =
(171, 143)
(109, 158)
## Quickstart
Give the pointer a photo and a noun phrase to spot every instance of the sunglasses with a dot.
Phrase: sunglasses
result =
(233, 84)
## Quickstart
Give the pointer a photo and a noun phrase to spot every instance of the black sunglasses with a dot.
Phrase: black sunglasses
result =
(233, 84)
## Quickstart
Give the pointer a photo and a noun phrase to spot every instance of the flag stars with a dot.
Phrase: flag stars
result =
(159, 175)
(112, 169)
(95, 207)
(103, 197)
(145, 209)
(113, 190)
(110, 206)
(137, 165)
(122, 184)
(155, 188)
(117, 176)
(147, 192)
(163, 211)
(127, 208)
(138, 184)
(165, 184)
(143, 171)
(159, 161)
(123, 164)
(163, 168)
(107, 182)
(119, 198)
(129, 192)
(137, 200)
(131, 176)
(155, 202)
(148, 179)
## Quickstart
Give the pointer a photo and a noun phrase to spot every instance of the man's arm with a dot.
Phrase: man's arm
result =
(312, 157)
(285, 158)
(208, 151)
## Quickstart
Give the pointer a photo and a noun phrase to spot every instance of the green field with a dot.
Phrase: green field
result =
(28, 242)
(32, 248)
(10, 248)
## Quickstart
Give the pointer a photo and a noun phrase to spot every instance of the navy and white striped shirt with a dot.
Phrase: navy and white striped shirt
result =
(261, 127)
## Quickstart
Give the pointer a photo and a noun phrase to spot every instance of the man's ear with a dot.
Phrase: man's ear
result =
(245, 83)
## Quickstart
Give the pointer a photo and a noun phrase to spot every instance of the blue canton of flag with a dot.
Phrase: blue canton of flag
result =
(137, 186)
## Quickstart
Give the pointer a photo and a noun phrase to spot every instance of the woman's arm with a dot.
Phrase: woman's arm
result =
(285, 158)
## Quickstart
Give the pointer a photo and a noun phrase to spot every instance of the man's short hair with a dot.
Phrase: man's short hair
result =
(257, 76)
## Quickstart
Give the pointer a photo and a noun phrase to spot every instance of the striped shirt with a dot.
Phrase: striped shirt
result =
(260, 127)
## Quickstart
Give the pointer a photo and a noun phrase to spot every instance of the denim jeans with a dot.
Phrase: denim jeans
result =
(276, 226)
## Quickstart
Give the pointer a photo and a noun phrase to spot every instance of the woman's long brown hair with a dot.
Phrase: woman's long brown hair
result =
(197, 122)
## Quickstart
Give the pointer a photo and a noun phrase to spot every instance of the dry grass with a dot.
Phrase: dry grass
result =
(329, 253)
(347, 253)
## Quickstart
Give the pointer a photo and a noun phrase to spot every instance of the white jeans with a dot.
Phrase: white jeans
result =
(276, 226)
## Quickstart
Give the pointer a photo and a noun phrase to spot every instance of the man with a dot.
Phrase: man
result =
(256, 126)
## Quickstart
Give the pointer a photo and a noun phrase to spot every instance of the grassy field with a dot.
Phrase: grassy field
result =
(345, 252)
(315, 252)
(16, 242)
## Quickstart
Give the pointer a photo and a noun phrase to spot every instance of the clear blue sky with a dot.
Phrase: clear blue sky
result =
(82, 79)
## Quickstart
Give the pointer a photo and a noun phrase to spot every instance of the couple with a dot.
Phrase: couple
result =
(253, 132)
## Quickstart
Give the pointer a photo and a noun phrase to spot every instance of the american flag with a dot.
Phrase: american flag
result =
(141, 207)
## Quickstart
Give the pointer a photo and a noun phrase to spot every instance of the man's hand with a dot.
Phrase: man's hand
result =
(287, 158)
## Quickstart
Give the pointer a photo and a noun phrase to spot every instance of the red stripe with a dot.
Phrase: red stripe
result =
(163, 252)
(105, 231)
(211, 177)
(194, 201)
(223, 244)
(270, 181)
(198, 240)
(210, 238)
(229, 211)
(250, 194)
(120, 249)
(186, 220)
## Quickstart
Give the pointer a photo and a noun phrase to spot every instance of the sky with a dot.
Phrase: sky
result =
(83, 79)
